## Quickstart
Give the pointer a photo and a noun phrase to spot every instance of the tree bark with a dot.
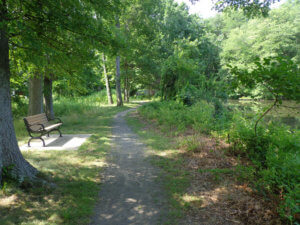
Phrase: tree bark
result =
(10, 153)
(108, 90)
(35, 95)
(118, 83)
(48, 97)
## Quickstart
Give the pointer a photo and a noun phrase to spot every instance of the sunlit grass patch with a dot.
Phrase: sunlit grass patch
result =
(192, 201)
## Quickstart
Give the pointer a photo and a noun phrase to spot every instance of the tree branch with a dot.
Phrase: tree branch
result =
(265, 113)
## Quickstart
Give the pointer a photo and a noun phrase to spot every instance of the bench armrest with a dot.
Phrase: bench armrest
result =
(56, 118)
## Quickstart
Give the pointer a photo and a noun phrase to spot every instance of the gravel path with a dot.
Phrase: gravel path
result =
(130, 193)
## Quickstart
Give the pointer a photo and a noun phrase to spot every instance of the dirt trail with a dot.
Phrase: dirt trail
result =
(130, 193)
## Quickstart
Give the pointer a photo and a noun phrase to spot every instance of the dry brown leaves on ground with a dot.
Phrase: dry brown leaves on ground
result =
(223, 200)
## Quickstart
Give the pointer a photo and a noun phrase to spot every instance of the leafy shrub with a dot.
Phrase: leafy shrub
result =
(274, 152)
(201, 117)
(175, 115)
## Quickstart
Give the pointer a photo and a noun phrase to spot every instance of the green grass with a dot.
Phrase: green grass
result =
(76, 173)
(174, 177)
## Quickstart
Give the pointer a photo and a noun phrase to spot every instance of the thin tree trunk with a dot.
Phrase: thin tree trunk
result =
(35, 95)
(118, 82)
(118, 74)
(125, 83)
(126, 88)
(10, 153)
(126, 95)
(149, 92)
(108, 90)
(128, 91)
(48, 97)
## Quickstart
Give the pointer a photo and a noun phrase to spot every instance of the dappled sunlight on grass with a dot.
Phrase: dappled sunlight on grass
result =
(8, 201)
(76, 175)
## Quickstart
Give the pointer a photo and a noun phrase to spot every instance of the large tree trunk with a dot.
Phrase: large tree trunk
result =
(35, 95)
(118, 82)
(108, 91)
(48, 96)
(9, 150)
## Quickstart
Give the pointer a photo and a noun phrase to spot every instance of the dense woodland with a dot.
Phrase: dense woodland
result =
(52, 50)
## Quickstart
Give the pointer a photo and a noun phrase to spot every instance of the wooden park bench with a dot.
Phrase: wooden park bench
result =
(40, 124)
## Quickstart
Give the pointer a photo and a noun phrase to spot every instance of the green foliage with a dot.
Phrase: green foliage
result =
(179, 68)
(201, 117)
(280, 76)
(248, 44)
(19, 106)
(250, 8)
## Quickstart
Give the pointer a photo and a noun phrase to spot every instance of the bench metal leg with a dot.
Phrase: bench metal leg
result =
(60, 133)
(36, 138)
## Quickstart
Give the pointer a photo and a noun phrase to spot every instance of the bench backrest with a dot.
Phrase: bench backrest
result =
(36, 119)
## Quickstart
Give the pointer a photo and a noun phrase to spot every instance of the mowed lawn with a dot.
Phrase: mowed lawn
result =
(72, 177)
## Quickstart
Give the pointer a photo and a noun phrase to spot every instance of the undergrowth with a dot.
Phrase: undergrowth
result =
(273, 151)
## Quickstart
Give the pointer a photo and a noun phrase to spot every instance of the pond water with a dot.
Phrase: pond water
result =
(287, 113)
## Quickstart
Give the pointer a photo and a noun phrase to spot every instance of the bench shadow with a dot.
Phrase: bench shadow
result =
(60, 141)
